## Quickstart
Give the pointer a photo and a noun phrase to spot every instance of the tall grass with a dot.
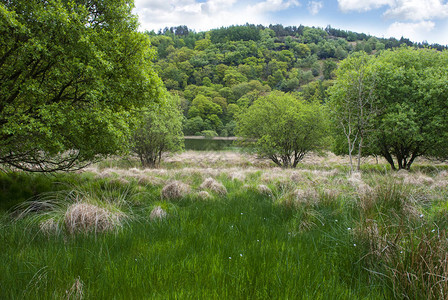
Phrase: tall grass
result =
(303, 234)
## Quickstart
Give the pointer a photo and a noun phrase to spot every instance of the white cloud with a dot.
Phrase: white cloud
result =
(273, 5)
(214, 6)
(314, 7)
(415, 10)
(417, 32)
(418, 10)
(156, 14)
(362, 5)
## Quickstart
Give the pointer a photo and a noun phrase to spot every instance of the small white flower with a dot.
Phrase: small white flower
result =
(421, 215)
(230, 257)
(336, 220)
(241, 254)
(349, 228)
(401, 252)
(354, 245)
(242, 213)
(258, 240)
(433, 230)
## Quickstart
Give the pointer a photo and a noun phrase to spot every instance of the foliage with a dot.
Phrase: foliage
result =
(282, 127)
(71, 75)
(160, 131)
(412, 103)
(352, 101)
(401, 96)
(228, 60)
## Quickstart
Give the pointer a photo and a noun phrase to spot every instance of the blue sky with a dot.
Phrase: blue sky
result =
(418, 20)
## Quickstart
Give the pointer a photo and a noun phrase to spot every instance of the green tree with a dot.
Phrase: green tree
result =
(205, 107)
(407, 90)
(352, 101)
(328, 68)
(412, 97)
(282, 127)
(160, 131)
(72, 74)
(194, 126)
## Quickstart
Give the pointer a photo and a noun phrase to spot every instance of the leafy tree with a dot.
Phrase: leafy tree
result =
(160, 131)
(194, 126)
(412, 97)
(315, 69)
(233, 77)
(282, 127)
(328, 68)
(201, 45)
(352, 101)
(72, 74)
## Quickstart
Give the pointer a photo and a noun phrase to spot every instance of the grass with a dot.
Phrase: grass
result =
(311, 233)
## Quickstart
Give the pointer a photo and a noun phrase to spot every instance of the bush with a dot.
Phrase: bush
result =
(160, 131)
(282, 128)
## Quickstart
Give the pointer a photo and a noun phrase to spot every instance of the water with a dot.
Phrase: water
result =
(209, 144)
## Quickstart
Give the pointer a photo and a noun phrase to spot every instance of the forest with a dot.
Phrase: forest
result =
(220, 72)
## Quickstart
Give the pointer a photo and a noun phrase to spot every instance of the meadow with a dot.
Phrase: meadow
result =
(226, 225)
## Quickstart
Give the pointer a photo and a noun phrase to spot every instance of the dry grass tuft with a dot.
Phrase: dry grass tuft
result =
(76, 291)
(214, 186)
(85, 217)
(175, 190)
(362, 188)
(415, 179)
(120, 181)
(158, 214)
(264, 190)
(296, 177)
(49, 226)
(308, 196)
(237, 175)
(148, 180)
(204, 195)
(331, 193)
(355, 178)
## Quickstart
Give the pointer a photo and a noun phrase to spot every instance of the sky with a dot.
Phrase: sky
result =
(418, 20)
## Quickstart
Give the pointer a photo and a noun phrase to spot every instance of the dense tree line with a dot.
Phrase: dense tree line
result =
(221, 72)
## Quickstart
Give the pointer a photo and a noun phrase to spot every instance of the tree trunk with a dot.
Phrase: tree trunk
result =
(358, 168)
(389, 159)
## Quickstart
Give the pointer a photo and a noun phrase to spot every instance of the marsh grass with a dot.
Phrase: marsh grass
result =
(312, 233)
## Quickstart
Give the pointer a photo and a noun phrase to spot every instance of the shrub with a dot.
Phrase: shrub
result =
(214, 186)
(175, 190)
(282, 128)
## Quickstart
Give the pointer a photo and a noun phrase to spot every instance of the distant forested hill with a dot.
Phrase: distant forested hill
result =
(220, 72)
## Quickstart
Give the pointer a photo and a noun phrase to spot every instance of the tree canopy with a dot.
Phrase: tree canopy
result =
(351, 101)
(72, 74)
(401, 95)
(282, 127)
(412, 101)
(159, 131)
(221, 62)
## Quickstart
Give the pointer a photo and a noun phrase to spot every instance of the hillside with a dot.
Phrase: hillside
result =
(220, 72)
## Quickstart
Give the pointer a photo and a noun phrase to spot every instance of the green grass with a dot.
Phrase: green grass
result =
(243, 245)
(238, 247)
